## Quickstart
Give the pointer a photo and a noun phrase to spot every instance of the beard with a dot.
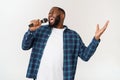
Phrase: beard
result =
(56, 22)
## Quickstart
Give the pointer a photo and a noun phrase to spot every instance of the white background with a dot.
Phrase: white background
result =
(81, 16)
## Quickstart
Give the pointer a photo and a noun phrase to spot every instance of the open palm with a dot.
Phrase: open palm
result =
(99, 31)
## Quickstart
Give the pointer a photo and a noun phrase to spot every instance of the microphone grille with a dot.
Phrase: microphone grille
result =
(44, 20)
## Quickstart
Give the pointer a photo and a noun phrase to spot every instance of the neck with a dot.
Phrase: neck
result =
(60, 26)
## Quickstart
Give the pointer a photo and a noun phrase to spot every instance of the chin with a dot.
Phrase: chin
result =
(51, 24)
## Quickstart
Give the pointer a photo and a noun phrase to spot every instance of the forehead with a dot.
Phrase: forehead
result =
(54, 9)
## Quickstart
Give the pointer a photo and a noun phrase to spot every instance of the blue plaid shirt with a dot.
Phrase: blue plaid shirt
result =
(73, 47)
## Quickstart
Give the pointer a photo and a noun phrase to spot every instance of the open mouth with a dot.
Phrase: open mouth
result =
(52, 19)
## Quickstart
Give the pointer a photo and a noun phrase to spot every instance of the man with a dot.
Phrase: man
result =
(56, 48)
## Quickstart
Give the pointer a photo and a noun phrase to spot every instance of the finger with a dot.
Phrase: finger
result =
(97, 27)
(106, 24)
(38, 20)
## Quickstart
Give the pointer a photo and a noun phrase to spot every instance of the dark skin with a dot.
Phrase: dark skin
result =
(53, 14)
(56, 19)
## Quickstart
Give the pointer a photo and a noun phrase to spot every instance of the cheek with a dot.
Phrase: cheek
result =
(54, 15)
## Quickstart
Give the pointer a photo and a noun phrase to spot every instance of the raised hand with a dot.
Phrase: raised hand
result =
(36, 24)
(99, 31)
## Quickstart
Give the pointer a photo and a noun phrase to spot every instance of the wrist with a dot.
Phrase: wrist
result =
(97, 38)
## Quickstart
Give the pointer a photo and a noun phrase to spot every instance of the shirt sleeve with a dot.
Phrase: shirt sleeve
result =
(28, 40)
(86, 52)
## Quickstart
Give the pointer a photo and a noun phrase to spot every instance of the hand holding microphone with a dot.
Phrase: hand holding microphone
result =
(35, 24)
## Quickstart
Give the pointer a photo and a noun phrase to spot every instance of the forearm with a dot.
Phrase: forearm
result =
(28, 40)
(87, 52)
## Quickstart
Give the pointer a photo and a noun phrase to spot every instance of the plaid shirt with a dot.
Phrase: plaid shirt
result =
(73, 47)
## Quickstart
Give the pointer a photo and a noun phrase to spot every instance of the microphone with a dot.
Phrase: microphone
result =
(44, 20)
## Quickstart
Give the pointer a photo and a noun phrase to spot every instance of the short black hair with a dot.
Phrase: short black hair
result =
(60, 9)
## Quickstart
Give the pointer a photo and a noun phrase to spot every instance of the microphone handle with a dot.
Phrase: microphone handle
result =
(31, 25)
(42, 21)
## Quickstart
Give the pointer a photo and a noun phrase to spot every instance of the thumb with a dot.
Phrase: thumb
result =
(97, 27)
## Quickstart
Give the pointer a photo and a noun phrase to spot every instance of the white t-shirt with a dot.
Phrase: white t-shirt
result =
(51, 66)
